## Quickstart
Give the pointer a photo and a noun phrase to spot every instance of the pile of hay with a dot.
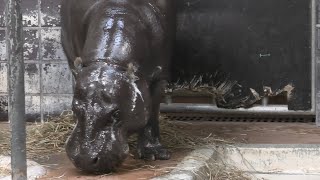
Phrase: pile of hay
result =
(44, 138)
(203, 85)
(220, 171)
(49, 137)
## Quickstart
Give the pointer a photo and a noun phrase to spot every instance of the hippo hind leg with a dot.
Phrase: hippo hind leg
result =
(149, 146)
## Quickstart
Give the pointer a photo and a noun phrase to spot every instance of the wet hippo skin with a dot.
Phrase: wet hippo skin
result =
(119, 52)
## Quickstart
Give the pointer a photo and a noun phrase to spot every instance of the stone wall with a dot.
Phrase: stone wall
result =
(48, 80)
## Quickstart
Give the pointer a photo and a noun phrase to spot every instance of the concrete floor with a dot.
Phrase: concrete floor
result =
(59, 167)
(240, 132)
(256, 132)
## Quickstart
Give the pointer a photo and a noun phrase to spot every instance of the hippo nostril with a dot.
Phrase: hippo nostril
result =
(95, 160)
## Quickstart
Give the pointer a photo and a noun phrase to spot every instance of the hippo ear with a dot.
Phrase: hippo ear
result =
(78, 64)
(162, 3)
(131, 69)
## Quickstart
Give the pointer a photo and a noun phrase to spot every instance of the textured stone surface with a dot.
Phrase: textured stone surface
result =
(32, 78)
(51, 46)
(192, 166)
(55, 104)
(31, 44)
(50, 12)
(2, 8)
(30, 13)
(3, 53)
(3, 77)
(32, 105)
(48, 81)
(57, 79)
(34, 171)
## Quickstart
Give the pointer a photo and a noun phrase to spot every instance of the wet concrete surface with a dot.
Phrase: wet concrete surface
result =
(60, 167)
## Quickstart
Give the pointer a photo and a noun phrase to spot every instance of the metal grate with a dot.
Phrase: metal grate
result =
(238, 118)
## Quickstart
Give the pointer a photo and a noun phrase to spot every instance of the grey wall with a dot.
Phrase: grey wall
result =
(48, 80)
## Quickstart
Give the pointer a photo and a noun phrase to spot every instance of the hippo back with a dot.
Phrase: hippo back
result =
(123, 31)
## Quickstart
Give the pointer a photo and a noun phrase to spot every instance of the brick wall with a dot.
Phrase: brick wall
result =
(48, 80)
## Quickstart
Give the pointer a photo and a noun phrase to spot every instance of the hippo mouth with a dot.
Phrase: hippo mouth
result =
(99, 155)
(100, 164)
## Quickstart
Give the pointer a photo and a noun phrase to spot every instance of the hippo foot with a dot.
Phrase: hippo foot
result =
(157, 152)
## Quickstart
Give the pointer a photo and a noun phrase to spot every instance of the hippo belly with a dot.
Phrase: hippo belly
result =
(119, 52)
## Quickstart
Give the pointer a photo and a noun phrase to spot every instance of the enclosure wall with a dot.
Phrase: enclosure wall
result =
(48, 81)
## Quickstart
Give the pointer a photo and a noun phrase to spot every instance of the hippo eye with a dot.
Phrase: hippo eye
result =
(116, 114)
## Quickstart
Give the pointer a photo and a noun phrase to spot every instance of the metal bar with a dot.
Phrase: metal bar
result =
(40, 61)
(14, 41)
(313, 15)
(265, 101)
(315, 62)
(168, 99)
(209, 108)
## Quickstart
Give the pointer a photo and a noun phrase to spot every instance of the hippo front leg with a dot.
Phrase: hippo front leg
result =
(149, 146)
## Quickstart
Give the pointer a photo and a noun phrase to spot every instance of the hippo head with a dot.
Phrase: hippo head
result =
(108, 104)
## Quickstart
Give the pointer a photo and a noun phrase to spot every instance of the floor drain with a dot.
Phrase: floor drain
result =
(237, 118)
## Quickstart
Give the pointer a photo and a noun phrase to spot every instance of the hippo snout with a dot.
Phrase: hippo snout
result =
(105, 163)
(101, 154)
(83, 160)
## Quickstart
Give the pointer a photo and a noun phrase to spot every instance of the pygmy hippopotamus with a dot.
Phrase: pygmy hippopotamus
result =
(119, 52)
